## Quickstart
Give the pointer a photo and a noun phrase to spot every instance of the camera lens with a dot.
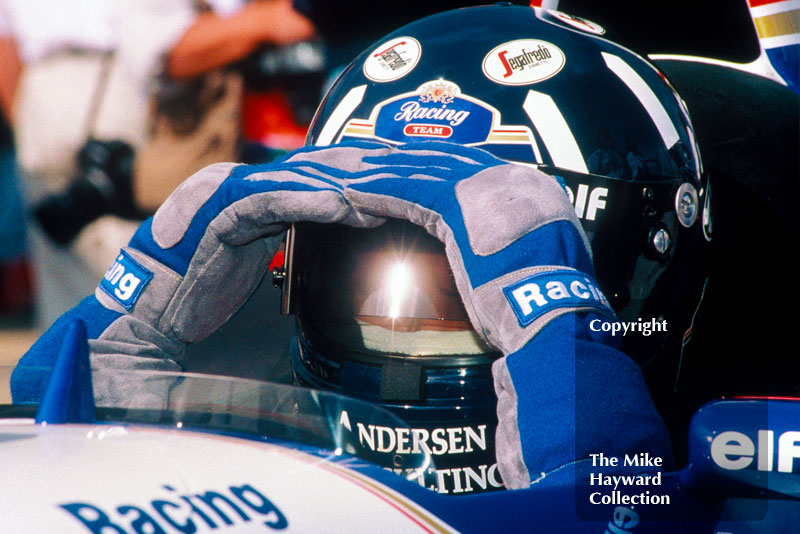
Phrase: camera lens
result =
(102, 186)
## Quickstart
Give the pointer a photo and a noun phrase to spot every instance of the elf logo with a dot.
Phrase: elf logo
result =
(540, 293)
(734, 451)
(588, 202)
(125, 280)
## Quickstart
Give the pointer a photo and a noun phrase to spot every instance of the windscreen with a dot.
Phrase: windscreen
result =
(260, 411)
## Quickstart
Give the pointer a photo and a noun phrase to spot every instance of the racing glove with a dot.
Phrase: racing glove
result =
(520, 260)
(523, 268)
(187, 270)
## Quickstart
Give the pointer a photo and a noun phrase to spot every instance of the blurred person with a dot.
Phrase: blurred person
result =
(10, 66)
(103, 59)
(231, 82)
(216, 40)
(15, 283)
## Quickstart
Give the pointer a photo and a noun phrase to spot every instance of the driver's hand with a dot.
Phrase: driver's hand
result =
(191, 266)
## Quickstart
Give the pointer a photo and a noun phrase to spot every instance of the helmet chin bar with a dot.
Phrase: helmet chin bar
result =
(448, 403)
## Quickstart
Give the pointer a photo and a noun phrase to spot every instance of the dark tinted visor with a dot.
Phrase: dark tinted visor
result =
(387, 289)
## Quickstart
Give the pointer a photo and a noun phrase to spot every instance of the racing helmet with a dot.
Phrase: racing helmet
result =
(378, 315)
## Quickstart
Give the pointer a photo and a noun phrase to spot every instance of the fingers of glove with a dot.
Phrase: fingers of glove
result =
(214, 289)
(502, 224)
(237, 208)
(198, 200)
(499, 205)
(458, 153)
(362, 160)
(340, 160)
(188, 307)
(173, 218)
(447, 161)
(487, 210)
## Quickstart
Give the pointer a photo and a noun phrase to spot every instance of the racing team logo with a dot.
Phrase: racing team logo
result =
(393, 59)
(436, 110)
(523, 62)
(439, 110)
(442, 92)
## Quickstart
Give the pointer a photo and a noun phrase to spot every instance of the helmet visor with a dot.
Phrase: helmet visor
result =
(387, 289)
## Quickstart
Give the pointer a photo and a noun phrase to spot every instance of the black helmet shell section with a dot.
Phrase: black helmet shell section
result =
(541, 87)
(517, 60)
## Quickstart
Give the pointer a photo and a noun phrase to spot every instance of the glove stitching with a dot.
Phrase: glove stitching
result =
(154, 264)
(542, 321)
(524, 272)
(183, 292)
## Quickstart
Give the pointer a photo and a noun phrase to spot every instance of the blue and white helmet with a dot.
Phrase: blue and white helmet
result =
(540, 88)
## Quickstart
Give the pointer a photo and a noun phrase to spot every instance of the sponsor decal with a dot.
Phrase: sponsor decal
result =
(465, 479)
(436, 441)
(438, 110)
(428, 130)
(540, 293)
(442, 92)
(393, 59)
(734, 451)
(462, 445)
(596, 197)
(523, 62)
(623, 521)
(579, 23)
(413, 110)
(125, 280)
(686, 204)
(171, 512)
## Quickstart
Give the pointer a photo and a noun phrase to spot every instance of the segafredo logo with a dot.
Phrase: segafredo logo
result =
(540, 293)
(393, 59)
(523, 62)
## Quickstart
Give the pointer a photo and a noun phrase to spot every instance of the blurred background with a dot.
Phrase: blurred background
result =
(107, 105)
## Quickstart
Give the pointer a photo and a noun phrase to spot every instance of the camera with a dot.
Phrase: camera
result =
(102, 186)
